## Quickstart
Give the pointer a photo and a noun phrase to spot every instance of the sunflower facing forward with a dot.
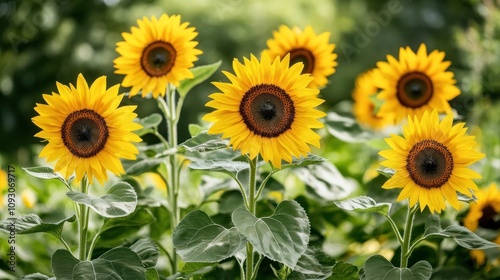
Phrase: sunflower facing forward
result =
(415, 83)
(306, 47)
(364, 107)
(87, 132)
(431, 162)
(267, 109)
(158, 52)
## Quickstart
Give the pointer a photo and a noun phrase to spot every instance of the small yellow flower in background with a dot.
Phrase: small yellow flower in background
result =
(86, 130)
(305, 46)
(153, 179)
(415, 83)
(29, 198)
(267, 109)
(431, 162)
(3, 186)
(364, 108)
(485, 213)
(158, 52)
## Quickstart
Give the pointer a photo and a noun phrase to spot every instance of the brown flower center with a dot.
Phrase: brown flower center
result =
(429, 164)
(490, 218)
(414, 89)
(84, 133)
(304, 56)
(158, 58)
(267, 110)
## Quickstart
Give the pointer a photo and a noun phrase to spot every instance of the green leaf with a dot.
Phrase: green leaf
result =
(149, 124)
(152, 274)
(203, 142)
(31, 223)
(140, 217)
(345, 128)
(191, 269)
(282, 237)
(432, 225)
(147, 250)
(387, 172)
(200, 73)
(195, 129)
(45, 172)
(63, 263)
(119, 201)
(364, 204)
(464, 237)
(324, 181)
(378, 268)
(345, 271)
(467, 199)
(198, 239)
(224, 166)
(303, 161)
(143, 165)
(309, 266)
(117, 263)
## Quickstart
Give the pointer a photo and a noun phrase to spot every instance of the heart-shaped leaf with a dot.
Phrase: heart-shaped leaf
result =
(119, 201)
(140, 217)
(117, 263)
(149, 124)
(31, 223)
(198, 239)
(282, 237)
(364, 204)
(464, 237)
(378, 268)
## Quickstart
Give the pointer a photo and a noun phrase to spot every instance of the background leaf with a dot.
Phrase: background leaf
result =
(149, 124)
(345, 128)
(203, 142)
(200, 73)
(364, 204)
(63, 263)
(198, 239)
(464, 237)
(147, 250)
(119, 201)
(282, 237)
(117, 263)
(378, 268)
(31, 223)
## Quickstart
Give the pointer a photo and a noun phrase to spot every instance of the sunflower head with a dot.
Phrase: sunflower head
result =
(364, 94)
(267, 109)
(86, 131)
(314, 51)
(415, 83)
(431, 162)
(157, 52)
(485, 213)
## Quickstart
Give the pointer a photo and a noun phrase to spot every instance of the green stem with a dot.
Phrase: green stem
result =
(262, 185)
(92, 245)
(405, 246)
(251, 208)
(65, 244)
(395, 229)
(83, 221)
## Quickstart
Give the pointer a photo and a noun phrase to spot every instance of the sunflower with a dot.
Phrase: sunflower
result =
(158, 52)
(267, 109)
(306, 47)
(86, 131)
(485, 213)
(418, 82)
(364, 108)
(431, 162)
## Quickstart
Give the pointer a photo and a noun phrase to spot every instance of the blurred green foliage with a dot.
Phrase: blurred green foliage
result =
(47, 41)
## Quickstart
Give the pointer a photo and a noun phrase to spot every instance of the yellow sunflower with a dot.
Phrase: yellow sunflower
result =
(306, 47)
(158, 52)
(364, 108)
(485, 213)
(267, 109)
(87, 132)
(431, 162)
(415, 83)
